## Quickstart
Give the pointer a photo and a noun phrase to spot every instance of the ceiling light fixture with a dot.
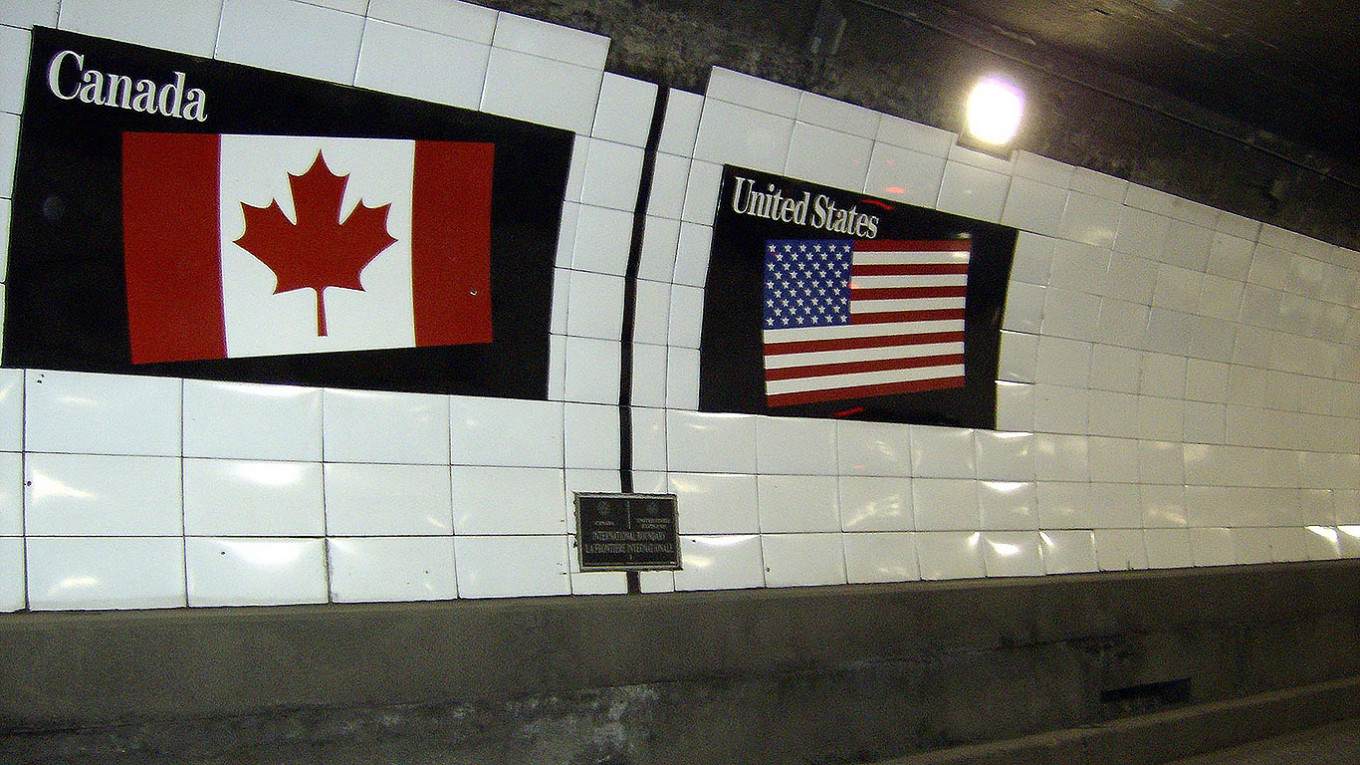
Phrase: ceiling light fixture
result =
(995, 108)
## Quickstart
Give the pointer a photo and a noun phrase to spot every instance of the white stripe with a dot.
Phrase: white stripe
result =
(932, 280)
(900, 258)
(797, 334)
(907, 304)
(791, 360)
(831, 382)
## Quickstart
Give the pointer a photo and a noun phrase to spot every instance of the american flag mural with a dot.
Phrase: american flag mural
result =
(846, 319)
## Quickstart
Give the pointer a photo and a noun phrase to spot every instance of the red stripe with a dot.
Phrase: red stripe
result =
(888, 317)
(888, 245)
(905, 293)
(451, 242)
(909, 269)
(855, 367)
(852, 343)
(172, 247)
(862, 391)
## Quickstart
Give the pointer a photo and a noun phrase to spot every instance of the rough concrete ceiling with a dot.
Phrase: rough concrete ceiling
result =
(1290, 68)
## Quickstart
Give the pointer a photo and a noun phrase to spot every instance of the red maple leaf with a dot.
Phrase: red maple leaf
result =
(320, 250)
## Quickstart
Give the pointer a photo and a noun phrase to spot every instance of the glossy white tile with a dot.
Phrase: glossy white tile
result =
(1090, 219)
(27, 13)
(1068, 552)
(452, 17)
(1321, 543)
(870, 503)
(11, 410)
(1004, 456)
(506, 432)
(248, 421)
(708, 442)
(253, 499)
(420, 64)
(973, 192)
(828, 156)
(790, 504)
(488, 501)
(743, 136)
(9, 150)
(1116, 506)
(1120, 550)
(803, 560)
(1024, 308)
(13, 591)
(1034, 206)
(542, 566)
(591, 434)
(596, 306)
(1168, 548)
(370, 426)
(255, 572)
(1017, 361)
(189, 27)
(660, 241)
(98, 495)
(670, 180)
(720, 562)
(738, 88)
(692, 253)
(1064, 505)
(1008, 505)
(387, 500)
(598, 582)
(915, 136)
(290, 37)
(541, 90)
(945, 504)
(89, 573)
(11, 494)
(716, 503)
(873, 557)
(624, 112)
(682, 379)
(560, 43)
(866, 448)
(391, 569)
(101, 414)
(837, 115)
(602, 237)
(681, 125)
(1061, 457)
(950, 555)
(910, 176)
(1112, 460)
(613, 171)
(15, 44)
(1012, 553)
(795, 446)
(940, 452)
(1014, 406)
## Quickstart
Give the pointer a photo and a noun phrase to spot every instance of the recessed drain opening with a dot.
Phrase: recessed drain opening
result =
(1142, 699)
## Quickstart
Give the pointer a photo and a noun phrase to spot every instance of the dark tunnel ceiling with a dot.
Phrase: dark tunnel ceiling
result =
(1291, 67)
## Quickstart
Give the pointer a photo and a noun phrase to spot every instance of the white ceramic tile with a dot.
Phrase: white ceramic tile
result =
(602, 240)
(881, 557)
(1090, 219)
(14, 52)
(560, 43)
(1064, 505)
(915, 136)
(940, 452)
(803, 560)
(421, 64)
(291, 37)
(910, 176)
(837, 115)
(598, 582)
(1034, 206)
(1071, 314)
(880, 449)
(253, 499)
(249, 421)
(795, 446)
(1008, 505)
(1141, 232)
(985, 160)
(188, 27)
(649, 381)
(708, 442)
(1060, 457)
(557, 363)
(384, 500)
(1317, 506)
(1061, 361)
(744, 136)
(82, 573)
(1032, 262)
(591, 435)
(9, 150)
(1112, 460)
(505, 500)
(1043, 169)
(1168, 548)
(1068, 552)
(827, 156)
(11, 410)
(649, 433)
(1120, 550)
(541, 90)
(27, 13)
(652, 312)
(1116, 506)
(950, 555)
(1321, 543)
(507, 432)
(1349, 538)
(613, 171)
(11, 494)
(1012, 553)
(945, 504)
(1212, 547)
(595, 307)
(1100, 185)
(682, 378)
(391, 569)
(870, 503)
(973, 192)
(512, 566)
(1014, 406)
(97, 495)
(1164, 506)
(1004, 456)
(4, 238)
(101, 414)
(681, 125)
(723, 562)
(451, 17)
(370, 426)
(791, 503)
(657, 581)
(716, 503)
(624, 112)
(1130, 278)
(1252, 546)
(692, 253)
(670, 180)
(701, 192)
(738, 88)
(255, 572)
(1112, 414)
(1024, 308)
(13, 592)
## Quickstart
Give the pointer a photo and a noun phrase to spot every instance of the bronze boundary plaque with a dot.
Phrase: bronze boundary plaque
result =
(627, 532)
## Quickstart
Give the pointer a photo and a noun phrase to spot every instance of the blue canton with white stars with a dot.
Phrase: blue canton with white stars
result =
(807, 283)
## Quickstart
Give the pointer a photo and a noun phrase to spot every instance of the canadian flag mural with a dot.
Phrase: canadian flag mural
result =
(260, 245)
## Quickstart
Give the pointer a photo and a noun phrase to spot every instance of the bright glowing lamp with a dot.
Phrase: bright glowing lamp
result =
(994, 111)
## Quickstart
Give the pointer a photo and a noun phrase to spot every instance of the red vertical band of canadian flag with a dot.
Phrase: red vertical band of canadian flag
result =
(173, 225)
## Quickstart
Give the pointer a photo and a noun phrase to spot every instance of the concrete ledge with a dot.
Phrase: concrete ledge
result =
(1164, 736)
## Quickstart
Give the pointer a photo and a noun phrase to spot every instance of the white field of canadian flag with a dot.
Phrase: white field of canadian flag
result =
(254, 245)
